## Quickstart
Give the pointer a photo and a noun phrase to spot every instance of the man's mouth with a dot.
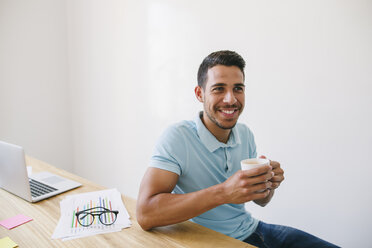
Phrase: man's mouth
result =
(229, 112)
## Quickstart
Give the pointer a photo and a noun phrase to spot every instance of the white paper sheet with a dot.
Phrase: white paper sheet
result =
(69, 228)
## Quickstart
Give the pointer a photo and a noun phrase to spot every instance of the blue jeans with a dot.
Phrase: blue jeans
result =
(273, 236)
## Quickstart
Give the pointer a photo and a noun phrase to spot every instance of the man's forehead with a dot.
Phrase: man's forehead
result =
(223, 71)
(225, 74)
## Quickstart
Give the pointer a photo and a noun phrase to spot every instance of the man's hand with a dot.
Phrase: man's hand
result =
(278, 177)
(248, 185)
(275, 180)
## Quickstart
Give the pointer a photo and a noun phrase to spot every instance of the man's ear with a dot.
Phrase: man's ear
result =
(199, 93)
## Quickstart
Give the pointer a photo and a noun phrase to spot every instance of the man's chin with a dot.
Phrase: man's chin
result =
(226, 126)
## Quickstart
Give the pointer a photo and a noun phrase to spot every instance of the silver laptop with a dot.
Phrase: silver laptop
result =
(33, 188)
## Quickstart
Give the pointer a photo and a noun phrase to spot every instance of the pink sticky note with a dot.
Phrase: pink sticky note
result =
(15, 221)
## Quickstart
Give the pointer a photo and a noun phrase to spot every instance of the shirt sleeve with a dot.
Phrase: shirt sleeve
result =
(169, 152)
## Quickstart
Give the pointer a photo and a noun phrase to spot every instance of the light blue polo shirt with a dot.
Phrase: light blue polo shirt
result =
(191, 151)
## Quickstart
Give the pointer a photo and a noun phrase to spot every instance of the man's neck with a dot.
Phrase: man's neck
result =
(222, 135)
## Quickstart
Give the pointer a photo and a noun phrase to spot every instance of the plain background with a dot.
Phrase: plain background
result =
(88, 86)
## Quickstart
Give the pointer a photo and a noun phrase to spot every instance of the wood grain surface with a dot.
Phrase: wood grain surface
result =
(46, 213)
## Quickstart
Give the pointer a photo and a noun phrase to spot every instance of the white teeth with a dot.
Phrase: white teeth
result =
(228, 111)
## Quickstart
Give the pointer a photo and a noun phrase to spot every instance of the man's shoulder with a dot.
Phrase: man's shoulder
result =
(243, 127)
(179, 129)
(244, 131)
(185, 124)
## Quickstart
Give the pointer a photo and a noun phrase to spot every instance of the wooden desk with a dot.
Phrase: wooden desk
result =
(46, 213)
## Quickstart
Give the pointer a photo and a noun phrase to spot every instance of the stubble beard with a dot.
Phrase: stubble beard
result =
(214, 120)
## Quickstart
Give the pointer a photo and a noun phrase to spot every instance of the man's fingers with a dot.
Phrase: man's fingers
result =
(274, 164)
(258, 171)
(278, 171)
(277, 179)
(275, 185)
(261, 187)
(260, 179)
(260, 195)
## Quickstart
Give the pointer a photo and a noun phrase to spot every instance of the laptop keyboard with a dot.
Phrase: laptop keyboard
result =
(38, 188)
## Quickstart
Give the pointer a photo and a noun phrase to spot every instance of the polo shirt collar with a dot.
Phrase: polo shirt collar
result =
(208, 139)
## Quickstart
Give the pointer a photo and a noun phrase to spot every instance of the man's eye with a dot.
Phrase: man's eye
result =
(218, 89)
(239, 89)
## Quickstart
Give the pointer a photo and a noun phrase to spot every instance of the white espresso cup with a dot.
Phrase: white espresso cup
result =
(252, 163)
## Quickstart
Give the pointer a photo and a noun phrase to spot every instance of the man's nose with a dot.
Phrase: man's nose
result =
(229, 98)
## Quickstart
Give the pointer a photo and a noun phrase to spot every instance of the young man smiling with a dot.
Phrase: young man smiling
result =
(195, 169)
(223, 99)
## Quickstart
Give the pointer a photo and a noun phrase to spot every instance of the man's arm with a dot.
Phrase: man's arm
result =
(157, 206)
(276, 181)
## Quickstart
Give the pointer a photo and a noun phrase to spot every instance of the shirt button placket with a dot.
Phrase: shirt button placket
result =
(228, 160)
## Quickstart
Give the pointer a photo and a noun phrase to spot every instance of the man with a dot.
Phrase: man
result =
(195, 169)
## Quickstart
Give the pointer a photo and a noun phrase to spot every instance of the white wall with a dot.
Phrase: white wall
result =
(34, 101)
(312, 63)
(132, 70)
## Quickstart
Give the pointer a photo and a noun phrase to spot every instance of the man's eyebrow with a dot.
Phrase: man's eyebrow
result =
(223, 84)
(218, 84)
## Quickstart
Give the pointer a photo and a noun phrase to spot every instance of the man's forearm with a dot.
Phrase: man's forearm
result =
(156, 206)
(167, 208)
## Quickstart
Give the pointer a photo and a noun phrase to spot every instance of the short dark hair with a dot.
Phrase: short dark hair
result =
(225, 57)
